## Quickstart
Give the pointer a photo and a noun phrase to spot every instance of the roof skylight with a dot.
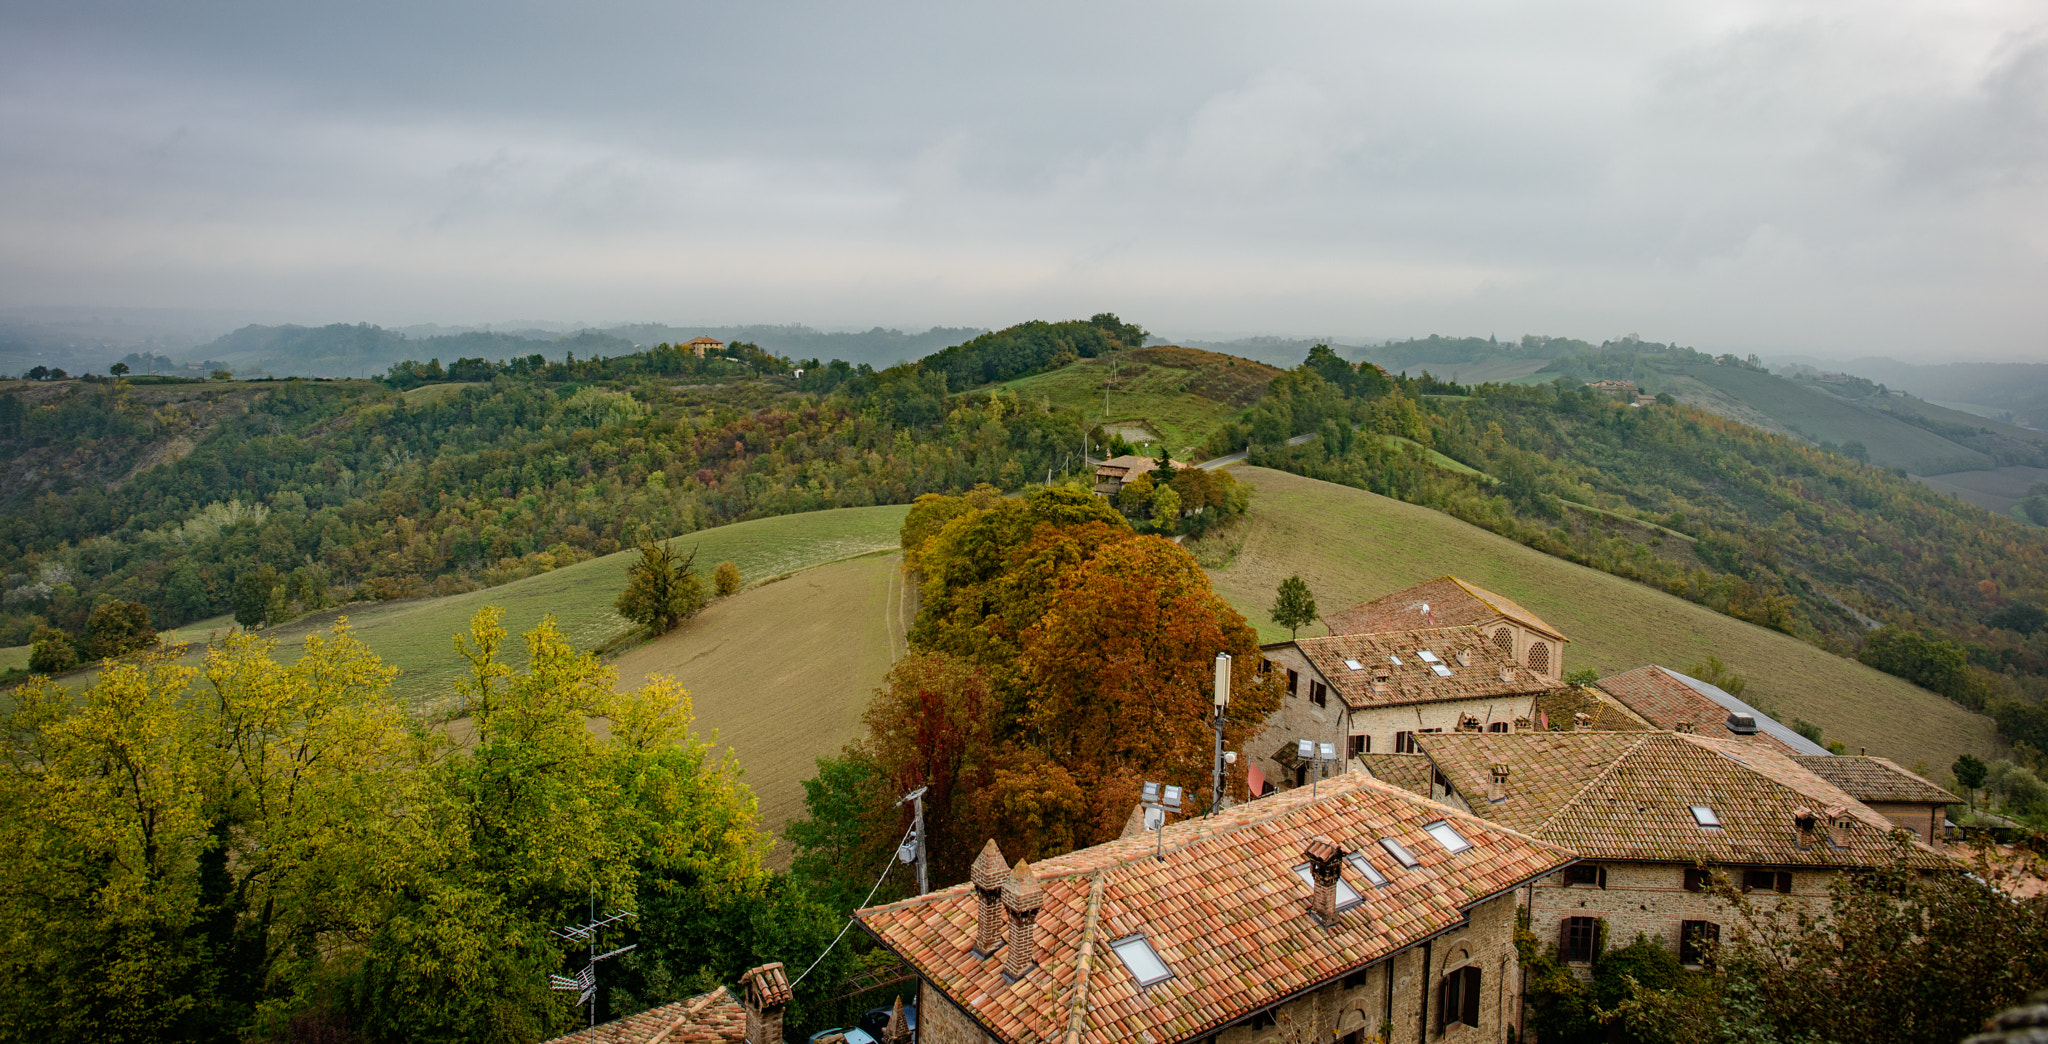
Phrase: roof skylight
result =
(1141, 961)
(1396, 659)
(1366, 870)
(1447, 836)
(1354, 665)
(1347, 896)
(1441, 670)
(1705, 817)
(1426, 656)
(1400, 853)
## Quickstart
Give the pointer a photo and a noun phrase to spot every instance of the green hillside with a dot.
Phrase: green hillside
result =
(1177, 394)
(1351, 545)
(1819, 417)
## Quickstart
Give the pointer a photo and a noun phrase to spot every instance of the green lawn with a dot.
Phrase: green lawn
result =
(1351, 546)
(1181, 404)
(417, 635)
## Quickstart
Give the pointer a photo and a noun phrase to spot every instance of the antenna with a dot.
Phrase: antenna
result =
(905, 851)
(585, 982)
(1222, 702)
(1159, 799)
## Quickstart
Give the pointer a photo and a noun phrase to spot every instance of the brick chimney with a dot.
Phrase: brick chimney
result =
(1498, 792)
(990, 873)
(1808, 822)
(898, 1029)
(1507, 670)
(1325, 866)
(767, 995)
(1021, 899)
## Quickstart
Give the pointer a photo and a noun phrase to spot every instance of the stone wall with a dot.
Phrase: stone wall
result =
(1650, 899)
(1923, 820)
(940, 1022)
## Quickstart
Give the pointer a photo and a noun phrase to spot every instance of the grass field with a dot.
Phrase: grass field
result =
(781, 672)
(1996, 490)
(1179, 394)
(417, 635)
(1821, 417)
(1350, 546)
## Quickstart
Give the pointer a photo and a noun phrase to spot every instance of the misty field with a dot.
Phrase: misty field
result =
(1351, 546)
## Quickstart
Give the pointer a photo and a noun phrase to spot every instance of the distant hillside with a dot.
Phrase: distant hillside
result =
(2016, 393)
(1179, 395)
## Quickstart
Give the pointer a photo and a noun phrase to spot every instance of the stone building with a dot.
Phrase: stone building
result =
(702, 347)
(1911, 803)
(1652, 814)
(1675, 702)
(1360, 911)
(1447, 601)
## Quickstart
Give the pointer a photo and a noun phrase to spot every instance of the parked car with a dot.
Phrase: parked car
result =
(877, 1020)
(853, 1036)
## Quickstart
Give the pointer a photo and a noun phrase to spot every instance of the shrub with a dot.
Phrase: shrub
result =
(725, 579)
(51, 651)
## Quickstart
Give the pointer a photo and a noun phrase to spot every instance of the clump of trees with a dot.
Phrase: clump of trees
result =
(115, 628)
(284, 855)
(662, 590)
(1059, 659)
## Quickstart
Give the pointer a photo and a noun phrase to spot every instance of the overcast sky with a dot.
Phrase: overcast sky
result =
(1782, 176)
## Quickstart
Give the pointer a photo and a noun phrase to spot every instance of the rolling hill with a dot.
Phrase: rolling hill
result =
(1351, 545)
(1165, 392)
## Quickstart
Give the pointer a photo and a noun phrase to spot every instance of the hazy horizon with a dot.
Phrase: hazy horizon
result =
(1789, 179)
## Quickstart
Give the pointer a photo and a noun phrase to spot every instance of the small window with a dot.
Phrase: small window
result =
(1347, 896)
(1695, 939)
(1696, 879)
(1705, 817)
(1447, 836)
(1318, 694)
(1586, 875)
(1425, 655)
(1139, 959)
(1498, 726)
(1361, 745)
(1441, 670)
(1401, 854)
(1293, 682)
(1366, 869)
(1404, 743)
(1767, 881)
(1459, 996)
(1354, 665)
(1576, 938)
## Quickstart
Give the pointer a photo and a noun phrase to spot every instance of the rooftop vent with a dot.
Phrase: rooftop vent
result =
(1325, 869)
(1465, 657)
(1682, 727)
(1498, 792)
(1742, 724)
(1507, 672)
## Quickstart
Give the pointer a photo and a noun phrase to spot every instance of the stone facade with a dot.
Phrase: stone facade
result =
(1650, 899)
(1924, 820)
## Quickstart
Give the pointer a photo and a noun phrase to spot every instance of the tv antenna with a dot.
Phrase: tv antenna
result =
(585, 982)
(912, 848)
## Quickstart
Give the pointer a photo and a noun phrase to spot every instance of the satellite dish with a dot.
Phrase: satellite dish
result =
(1154, 818)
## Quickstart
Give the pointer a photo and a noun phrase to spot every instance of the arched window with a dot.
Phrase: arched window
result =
(1539, 658)
(1504, 640)
(1458, 998)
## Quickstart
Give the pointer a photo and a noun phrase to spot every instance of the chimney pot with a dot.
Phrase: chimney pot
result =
(767, 995)
(1498, 792)
(989, 874)
(1021, 899)
(898, 1029)
(1325, 865)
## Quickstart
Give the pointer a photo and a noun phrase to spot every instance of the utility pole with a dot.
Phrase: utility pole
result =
(916, 799)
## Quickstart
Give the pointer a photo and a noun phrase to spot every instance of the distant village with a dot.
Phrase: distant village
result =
(1429, 780)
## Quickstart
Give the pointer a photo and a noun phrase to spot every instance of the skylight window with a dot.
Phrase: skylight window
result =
(1346, 895)
(1395, 659)
(1366, 870)
(1441, 670)
(1401, 854)
(1140, 960)
(1425, 655)
(1354, 665)
(1447, 836)
(1705, 817)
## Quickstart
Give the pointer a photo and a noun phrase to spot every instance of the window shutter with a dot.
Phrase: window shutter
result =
(1469, 1013)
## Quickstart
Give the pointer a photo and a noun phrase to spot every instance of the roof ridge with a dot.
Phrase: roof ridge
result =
(1596, 778)
(1084, 962)
(1159, 849)
(686, 1016)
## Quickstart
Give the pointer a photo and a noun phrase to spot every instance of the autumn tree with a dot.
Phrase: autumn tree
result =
(725, 579)
(117, 628)
(1295, 607)
(51, 651)
(661, 589)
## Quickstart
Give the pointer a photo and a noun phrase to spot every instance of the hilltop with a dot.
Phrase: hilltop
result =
(1146, 395)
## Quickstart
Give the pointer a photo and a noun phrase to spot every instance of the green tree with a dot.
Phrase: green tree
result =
(661, 589)
(222, 375)
(1970, 771)
(725, 579)
(252, 593)
(119, 369)
(51, 651)
(1581, 676)
(1712, 671)
(118, 628)
(1165, 508)
(1295, 607)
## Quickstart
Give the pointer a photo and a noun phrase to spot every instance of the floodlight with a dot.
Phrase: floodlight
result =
(1305, 749)
(1173, 796)
(1329, 751)
(1151, 792)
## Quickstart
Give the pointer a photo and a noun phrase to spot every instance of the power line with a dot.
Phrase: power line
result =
(886, 867)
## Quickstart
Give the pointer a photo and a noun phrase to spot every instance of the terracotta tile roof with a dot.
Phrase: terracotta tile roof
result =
(1666, 702)
(1410, 772)
(1133, 465)
(1224, 911)
(1875, 779)
(1627, 796)
(708, 1018)
(1560, 707)
(1412, 680)
(1452, 602)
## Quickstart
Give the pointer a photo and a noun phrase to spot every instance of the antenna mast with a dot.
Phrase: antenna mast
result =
(585, 982)
(905, 852)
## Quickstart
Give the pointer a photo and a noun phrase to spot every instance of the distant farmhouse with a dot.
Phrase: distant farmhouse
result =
(1112, 474)
(705, 346)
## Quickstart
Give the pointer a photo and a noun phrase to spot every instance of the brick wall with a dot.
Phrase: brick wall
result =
(1923, 820)
(940, 1022)
(1651, 900)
